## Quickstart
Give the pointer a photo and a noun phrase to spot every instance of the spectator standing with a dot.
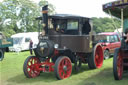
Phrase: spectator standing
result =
(126, 33)
(31, 46)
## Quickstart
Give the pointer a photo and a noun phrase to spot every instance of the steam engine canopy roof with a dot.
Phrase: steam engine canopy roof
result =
(63, 16)
(115, 8)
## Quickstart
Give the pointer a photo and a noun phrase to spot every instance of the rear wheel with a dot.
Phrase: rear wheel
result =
(30, 67)
(106, 54)
(95, 60)
(63, 67)
(117, 65)
(1, 54)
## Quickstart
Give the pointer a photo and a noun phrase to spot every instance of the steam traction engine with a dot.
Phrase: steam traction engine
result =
(66, 39)
(120, 61)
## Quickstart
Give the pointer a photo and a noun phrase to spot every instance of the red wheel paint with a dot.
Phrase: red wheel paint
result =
(119, 66)
(64, 68)
(98, 56)
(32, 66)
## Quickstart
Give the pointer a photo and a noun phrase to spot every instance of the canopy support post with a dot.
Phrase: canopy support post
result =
(122, 20)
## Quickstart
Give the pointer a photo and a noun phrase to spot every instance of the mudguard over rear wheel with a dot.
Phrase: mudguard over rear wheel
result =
(117, 65)
(63, 67)
(30, 66)
(95, 60)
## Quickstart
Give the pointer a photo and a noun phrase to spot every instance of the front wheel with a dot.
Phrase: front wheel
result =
(95, 60)
(63, 67)
(30, 67)
(117, 65)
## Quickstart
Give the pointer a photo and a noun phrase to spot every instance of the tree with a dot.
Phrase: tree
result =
(105, 24)
(19, 16)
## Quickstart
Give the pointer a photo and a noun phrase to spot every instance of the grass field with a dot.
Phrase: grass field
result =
(11, 73)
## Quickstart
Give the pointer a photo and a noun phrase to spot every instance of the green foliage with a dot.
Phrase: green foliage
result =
(105, 24)
(8, 32)
(19, 15)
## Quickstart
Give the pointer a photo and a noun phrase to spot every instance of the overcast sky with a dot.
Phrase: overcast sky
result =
(87, 8)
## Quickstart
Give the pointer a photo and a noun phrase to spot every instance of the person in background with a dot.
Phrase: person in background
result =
(126, 33)
(31, 46)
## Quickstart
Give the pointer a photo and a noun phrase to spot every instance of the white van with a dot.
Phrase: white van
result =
(21, 41)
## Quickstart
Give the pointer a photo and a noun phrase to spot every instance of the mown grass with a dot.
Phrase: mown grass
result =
(11, 73)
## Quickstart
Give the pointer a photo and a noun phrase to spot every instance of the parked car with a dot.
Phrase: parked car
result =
(110, 42)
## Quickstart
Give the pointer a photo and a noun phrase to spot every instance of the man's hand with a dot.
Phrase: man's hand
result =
(126, 40)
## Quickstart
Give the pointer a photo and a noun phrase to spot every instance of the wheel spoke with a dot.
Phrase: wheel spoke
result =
(64, 74)
(68, 69)
(33, 74)
(37, 72)
(30, 72)
(61, 73)
(29, 66)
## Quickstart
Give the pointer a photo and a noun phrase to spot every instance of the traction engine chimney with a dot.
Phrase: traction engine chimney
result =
(45, 18)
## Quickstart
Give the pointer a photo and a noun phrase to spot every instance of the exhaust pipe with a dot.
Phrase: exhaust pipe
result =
(45, 18)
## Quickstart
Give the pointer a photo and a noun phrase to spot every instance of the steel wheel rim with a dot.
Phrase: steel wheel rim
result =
(31, 67)
(98, 57)
(119, 66)
(65, 68)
